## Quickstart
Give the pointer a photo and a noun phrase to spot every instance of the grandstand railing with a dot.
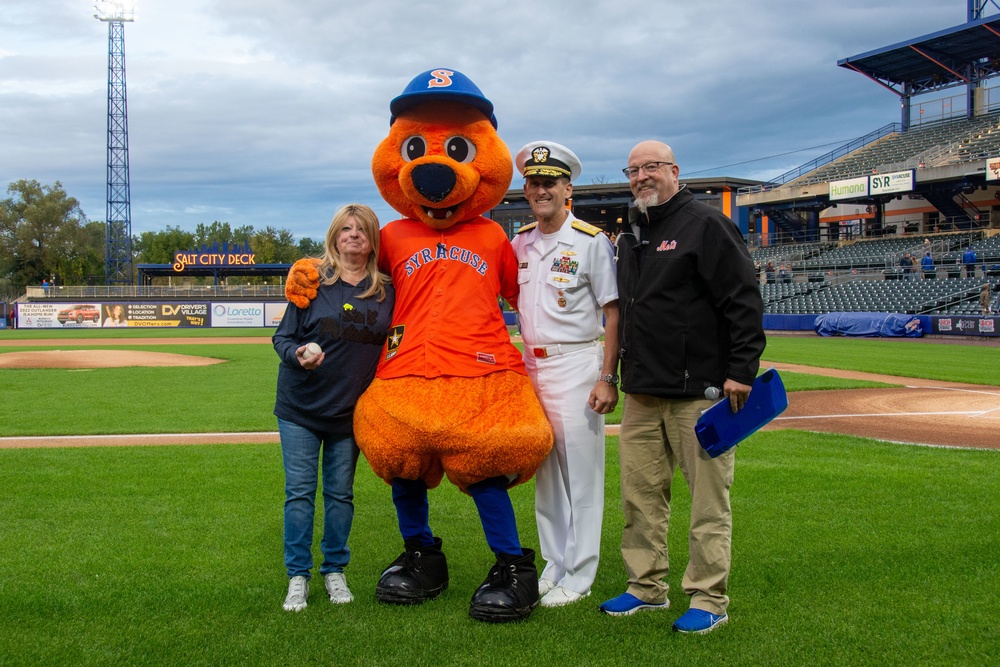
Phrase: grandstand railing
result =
(890, 229)
(941, 111)
(827, 158)
(118, 292)
(948, 107)
(946, 302)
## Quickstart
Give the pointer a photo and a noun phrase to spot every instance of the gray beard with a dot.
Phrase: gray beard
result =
(645, 203)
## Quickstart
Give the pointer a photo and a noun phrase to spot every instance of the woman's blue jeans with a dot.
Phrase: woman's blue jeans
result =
(301, 449)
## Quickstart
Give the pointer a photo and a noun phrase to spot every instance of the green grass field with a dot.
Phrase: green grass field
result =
(846, 551)
(238, 396)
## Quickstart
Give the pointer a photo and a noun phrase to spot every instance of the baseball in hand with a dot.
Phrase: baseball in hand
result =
(312, 349)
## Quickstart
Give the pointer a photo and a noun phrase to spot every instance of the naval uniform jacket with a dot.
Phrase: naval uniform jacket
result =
(691, 311)
(563, 291)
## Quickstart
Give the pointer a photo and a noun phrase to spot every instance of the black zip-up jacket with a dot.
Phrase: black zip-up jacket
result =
(691, 311)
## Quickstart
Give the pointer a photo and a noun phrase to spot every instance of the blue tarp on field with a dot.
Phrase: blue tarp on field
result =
(875, 325)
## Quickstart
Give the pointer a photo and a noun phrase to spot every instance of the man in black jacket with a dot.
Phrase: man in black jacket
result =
(691, 318)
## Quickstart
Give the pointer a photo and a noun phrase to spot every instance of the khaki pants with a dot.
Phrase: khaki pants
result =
(657, 436)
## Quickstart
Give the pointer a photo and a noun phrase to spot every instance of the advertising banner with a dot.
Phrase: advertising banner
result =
(883, 184)
(966, 325)
(58, 315)
(993, 169)
(163, 315)
(851, 188)
(273, 312)
(83, 315)
(230, 314)
(113, 314)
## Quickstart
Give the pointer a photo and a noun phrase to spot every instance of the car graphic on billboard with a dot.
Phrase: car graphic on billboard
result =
(79, 314)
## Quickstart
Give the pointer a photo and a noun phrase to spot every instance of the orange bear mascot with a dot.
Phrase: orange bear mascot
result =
(450, 396)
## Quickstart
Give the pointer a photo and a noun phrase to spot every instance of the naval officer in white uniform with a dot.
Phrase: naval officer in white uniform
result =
(567, 286)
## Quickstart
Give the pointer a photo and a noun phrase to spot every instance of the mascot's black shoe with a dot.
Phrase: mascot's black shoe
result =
(510, 591)
(419, 574)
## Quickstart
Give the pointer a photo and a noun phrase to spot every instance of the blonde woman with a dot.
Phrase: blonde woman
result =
(348, 320)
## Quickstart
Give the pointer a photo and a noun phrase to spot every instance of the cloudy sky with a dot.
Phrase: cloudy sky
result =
(267, 113)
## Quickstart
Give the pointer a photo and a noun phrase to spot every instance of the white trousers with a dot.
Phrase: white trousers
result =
(569, 485)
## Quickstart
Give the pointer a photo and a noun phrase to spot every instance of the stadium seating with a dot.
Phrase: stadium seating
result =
(954, 295)
(881, 254)
(932, 145)
(865, 276)
(987, 249)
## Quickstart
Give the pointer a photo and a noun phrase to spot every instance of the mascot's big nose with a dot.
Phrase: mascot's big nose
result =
(433, 181)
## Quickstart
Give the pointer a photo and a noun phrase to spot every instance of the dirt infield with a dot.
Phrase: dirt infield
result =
(920, 411)
(100, 359)
(928, 412)
(114, 342)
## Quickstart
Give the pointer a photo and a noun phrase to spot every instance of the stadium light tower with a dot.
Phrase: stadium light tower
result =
(976, 9)
(118, 225)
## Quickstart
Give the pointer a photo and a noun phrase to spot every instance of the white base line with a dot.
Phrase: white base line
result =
(961, 389)
(134, 436)
(913, 444)
(883, 414)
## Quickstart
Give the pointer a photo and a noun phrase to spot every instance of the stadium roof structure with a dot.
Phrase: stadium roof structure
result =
(149, 271)
(962, 55)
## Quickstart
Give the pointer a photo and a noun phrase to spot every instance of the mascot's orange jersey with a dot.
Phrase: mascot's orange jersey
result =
(441, 285)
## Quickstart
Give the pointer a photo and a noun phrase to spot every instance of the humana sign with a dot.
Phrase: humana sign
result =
(849, 189)
(215, 256)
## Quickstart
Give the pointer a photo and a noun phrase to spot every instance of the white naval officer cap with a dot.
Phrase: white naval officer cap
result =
(547, 158)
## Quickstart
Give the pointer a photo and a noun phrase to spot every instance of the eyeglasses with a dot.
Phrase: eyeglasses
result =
(649, 168)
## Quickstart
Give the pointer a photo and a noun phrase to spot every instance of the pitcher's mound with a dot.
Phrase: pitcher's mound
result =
(100, 359)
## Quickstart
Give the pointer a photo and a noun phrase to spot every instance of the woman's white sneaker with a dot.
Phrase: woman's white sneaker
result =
(298, 593)
(336, 587)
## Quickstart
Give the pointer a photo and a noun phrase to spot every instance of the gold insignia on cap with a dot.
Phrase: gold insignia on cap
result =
(540, 154)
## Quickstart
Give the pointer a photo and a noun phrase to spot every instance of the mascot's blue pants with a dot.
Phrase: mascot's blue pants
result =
(495, 512)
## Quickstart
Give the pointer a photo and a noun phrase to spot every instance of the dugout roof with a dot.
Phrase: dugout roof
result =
(955, 56)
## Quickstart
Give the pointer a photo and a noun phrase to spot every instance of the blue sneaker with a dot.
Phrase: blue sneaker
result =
(626, 604)
(699, 621)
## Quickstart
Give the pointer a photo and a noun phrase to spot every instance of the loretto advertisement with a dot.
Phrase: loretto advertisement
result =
(94, 314)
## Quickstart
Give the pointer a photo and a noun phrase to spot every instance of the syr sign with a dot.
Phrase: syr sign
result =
(863, 187)
(898, 181)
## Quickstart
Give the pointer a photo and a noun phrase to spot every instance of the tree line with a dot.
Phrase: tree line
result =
(44, 234)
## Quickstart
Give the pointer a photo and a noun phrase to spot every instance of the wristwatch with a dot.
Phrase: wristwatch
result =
(611, 378)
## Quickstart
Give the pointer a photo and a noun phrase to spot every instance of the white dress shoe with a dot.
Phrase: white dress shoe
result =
(544, 586)
(560, 596)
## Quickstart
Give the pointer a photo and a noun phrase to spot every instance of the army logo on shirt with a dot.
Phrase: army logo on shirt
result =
(394, 340)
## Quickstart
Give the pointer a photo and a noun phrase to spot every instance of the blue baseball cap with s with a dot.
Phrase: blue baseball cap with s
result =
(445, 85)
